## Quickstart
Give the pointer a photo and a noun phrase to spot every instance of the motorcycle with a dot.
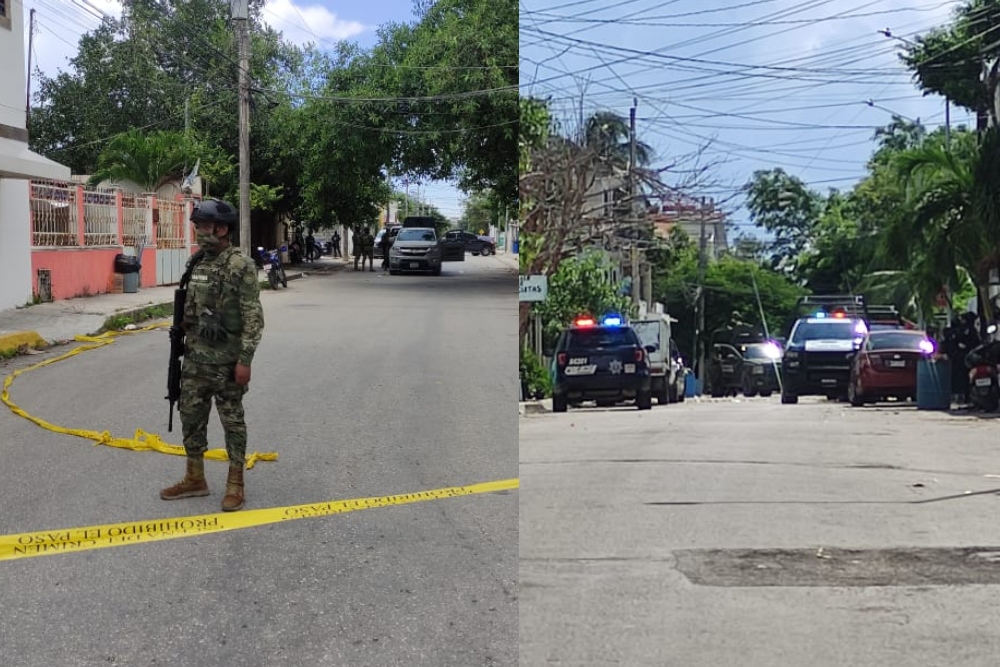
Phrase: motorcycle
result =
(275, 272)
(984, 384)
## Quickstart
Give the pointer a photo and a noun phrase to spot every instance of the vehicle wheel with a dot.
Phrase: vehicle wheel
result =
(991, 402)
(486, 251)
(272, 278)
(436, 271)
(284, 278)
(644, 400)
(788, 399)
(558, 403)
(765, 393)
(662, 393)
(672, 394)
(748, 389)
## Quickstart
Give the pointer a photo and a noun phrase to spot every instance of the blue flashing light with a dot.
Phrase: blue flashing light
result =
(612, 321)
(820, 314)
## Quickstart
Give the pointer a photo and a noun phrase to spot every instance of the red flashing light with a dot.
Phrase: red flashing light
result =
(584, 322)
(840, 314)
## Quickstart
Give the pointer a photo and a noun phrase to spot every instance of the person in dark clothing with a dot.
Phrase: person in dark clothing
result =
(335, 240)
(386, 246)
(312, 250)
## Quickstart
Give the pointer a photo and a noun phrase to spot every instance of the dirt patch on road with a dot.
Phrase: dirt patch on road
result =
(840, 567)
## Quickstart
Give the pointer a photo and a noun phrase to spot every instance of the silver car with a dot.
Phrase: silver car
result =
(415, 249)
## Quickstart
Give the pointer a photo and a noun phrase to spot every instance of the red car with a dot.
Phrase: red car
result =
(886, 366)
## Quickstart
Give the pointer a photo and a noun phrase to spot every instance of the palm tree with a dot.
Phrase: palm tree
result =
(607, 134)
(953, 197)
(149, 161)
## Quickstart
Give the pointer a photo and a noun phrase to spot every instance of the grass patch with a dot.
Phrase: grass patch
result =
(122, 320)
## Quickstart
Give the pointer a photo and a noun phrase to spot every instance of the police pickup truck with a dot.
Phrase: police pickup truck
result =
(818, 354)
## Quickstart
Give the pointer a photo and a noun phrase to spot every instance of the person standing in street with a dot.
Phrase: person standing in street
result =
(223, 324)
(369, 250)
(335, 242)
(386, 246)
(312, 250)
(357, 242)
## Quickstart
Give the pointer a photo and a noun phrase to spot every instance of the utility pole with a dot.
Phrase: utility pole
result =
(241, 16)
(31, 38)
(699, 350)
(637, 283)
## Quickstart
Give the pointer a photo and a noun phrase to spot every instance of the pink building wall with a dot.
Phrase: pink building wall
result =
(79, 272)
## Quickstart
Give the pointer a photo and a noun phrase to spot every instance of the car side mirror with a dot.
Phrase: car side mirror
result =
(651, 348)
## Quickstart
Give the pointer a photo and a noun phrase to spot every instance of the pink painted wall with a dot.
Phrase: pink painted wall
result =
(82, 271)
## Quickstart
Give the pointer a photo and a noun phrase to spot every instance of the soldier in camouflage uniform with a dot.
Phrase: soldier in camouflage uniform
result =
(223, 322)
(368, 244)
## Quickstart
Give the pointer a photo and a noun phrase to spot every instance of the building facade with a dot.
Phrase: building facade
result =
(17, 163)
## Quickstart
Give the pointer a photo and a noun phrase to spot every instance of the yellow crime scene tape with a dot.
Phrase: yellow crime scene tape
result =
(141, 441)
(60, 541)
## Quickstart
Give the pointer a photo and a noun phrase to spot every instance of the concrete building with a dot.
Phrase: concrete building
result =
(17, 163)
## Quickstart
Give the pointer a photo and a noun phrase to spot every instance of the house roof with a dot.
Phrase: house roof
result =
(16, 161)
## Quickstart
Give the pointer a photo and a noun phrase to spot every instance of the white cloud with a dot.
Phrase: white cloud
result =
(313, 23)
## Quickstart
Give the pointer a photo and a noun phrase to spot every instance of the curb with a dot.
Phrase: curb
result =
(10, 342)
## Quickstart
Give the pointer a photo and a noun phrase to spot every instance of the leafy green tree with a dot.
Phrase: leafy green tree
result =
(477, 213)
(782, 205)
(455, 72)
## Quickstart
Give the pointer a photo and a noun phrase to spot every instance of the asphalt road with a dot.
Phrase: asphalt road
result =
(365, 385)
(748, 533)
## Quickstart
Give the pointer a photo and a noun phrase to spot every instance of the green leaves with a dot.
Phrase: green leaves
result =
(147, 160)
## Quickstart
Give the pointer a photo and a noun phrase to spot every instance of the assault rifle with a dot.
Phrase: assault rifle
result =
(177, 339)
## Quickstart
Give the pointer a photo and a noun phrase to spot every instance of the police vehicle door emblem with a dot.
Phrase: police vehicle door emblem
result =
(615, 366)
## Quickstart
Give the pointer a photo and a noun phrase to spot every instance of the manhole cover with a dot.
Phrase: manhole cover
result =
(840, 567)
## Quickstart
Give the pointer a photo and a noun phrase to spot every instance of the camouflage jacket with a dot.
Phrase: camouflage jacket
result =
(225, 284)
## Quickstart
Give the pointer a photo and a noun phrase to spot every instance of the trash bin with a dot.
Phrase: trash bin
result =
(130, 283)
(129, 267)
(690, 385)
(933, 384)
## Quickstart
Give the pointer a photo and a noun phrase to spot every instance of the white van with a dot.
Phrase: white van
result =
(666, 370)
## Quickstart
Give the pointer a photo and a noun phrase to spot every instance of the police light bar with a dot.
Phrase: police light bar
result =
(583, 322)
(612, 321)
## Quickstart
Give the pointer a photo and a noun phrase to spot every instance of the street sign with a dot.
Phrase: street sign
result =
(533, 288)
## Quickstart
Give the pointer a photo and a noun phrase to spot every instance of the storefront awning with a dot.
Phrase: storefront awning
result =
(16, 161)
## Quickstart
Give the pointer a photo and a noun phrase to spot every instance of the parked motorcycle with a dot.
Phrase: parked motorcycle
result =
(984, 384)
(275, 272)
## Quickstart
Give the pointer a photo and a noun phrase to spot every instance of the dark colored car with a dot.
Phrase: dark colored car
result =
(886, 366)
(601, 362)
(477, 245)
(752, 369)
(818, 356)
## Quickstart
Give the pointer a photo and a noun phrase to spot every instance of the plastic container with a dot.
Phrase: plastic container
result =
(690, 385)
(513, 248)
(933, 384)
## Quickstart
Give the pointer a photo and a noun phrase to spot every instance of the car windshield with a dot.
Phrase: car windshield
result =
(600, 337)
(416, 235)
(831, 330)
(896, 340)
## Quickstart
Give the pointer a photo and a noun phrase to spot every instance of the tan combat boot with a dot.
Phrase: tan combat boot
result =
(192, 486)
(233, 500)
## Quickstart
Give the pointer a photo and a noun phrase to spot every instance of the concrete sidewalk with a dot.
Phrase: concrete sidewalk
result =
(61, 321)
(508, 259)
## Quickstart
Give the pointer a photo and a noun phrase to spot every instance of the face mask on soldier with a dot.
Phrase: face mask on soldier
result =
(208, 241)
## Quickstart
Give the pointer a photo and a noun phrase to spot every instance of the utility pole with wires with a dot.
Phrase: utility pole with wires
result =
(698, 352)
(241, 16)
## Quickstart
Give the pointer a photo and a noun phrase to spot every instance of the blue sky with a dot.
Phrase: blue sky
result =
(763, 83)
(60, 23)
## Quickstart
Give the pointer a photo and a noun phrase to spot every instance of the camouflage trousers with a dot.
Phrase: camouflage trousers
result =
(200, 383)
